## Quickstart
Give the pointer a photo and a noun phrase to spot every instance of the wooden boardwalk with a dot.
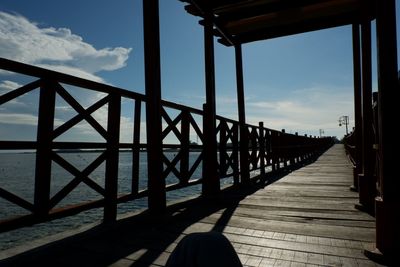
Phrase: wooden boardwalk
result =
(305, 218)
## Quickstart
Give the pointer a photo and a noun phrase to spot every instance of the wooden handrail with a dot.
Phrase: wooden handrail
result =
(265, 148)
(29, 70)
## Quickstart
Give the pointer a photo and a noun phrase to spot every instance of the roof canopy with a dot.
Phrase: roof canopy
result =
(243, 21)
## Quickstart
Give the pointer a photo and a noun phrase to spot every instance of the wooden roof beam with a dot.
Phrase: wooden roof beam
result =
(242, 21)
(293, 16)
(216, 33)
(285, 30)
(254, 8)
(201, 11)
(192, 10)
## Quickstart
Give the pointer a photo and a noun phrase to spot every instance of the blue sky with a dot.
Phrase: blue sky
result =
(302, 83)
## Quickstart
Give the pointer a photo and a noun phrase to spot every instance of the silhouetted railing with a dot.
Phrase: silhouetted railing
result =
(349, 140)
(269, 150)
(350, 146)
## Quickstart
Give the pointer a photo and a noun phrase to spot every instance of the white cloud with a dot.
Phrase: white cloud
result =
(77, 72)
(304, 111)
(285, 107)
(8, 85)
(59, 49)
(24, 119)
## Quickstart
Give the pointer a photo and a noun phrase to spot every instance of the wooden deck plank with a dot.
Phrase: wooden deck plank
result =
(253, 211)
(335, 231)
(306, 218)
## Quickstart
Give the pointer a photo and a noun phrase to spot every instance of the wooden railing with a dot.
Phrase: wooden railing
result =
(349, 140)
(350, 147)
(268, 150)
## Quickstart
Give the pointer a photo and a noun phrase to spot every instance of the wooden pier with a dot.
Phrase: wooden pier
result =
(307, 217)
(302, 218)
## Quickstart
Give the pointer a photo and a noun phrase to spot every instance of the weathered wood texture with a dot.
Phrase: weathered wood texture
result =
(305, 218)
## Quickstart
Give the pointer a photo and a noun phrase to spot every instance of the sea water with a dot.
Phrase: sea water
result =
(17, 172)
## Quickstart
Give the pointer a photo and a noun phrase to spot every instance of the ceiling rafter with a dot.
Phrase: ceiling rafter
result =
(242, 21)
(205, 12)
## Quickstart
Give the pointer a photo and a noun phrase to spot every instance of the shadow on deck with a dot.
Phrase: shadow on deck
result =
(304, 218)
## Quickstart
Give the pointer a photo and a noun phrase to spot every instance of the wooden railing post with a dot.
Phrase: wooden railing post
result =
(156, 183)
(136, 147)
(253, 158)
(112, 160)
(244, 155)
(278, 150)
(284, 147)
(45, 126)
(211, 184)
(297, 154)
(185, 145)
(235, 153)
(244, 142)
(268, 147)
(310, 146)
(223, 167)
(273, 153)
(366, 180)
(262, 148)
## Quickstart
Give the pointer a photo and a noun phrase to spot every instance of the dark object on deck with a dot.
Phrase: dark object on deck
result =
(204, 249)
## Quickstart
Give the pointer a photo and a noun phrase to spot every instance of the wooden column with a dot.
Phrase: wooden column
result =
(185, 147)
(244, 143)
(366, 180)
(156, 184)
(211, 184)
(223, 140)
(235, 152)
(274, 153)
(136, 147)
(262, 149)
(47, 100)
(357, 105)
(387, 204)
(112, 160)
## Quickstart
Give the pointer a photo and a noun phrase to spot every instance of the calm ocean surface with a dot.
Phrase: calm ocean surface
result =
(17, 176)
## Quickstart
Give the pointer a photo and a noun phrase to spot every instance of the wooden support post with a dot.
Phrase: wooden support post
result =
(112, 160)
(211, 184)
(366, 180)
(387, 204)
(293, 151)
(273, 152)
(298, 154)
(156, 184)
(235, 153)
(223, 167)
(357, 105)
(278, 150)
(268, 147)
(283, 148)
(185, 145)
(47, 100)
(243, 140)
(136, 147)
(262, 149)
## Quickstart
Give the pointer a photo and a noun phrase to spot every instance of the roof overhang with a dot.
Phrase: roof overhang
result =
(243, 21)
